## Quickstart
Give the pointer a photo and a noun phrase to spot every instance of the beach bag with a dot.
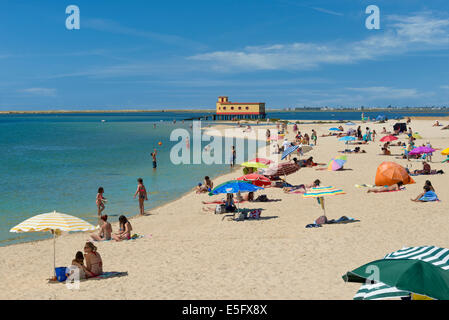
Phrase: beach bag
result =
(262, 198)
(220, 208)
(255, 214)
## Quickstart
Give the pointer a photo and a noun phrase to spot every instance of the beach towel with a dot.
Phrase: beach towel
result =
(105, 275)
(429, 196)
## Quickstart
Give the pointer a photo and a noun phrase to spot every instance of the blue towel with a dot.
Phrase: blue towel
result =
(429, 196)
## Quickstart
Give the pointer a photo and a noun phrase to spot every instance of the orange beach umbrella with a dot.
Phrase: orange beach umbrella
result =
(389, 173)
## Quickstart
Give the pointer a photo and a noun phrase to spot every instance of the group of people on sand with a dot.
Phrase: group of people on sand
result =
(141, 193)
(90, 263)
(105, 231)
(206, 186)
(427, 188)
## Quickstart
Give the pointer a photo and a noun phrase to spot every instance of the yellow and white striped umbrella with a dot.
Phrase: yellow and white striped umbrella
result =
(51, 222)
(319, 192)
(54, 222)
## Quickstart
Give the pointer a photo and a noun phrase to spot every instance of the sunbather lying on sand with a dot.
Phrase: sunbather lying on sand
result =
(436, 124)
(426, 169)
(302, 187)
(356, 150)
(394, 187)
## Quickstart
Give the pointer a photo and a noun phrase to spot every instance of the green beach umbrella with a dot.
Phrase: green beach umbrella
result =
(379, 291)
(418, 270)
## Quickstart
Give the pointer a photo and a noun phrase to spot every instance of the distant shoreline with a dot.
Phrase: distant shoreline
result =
(405, 111)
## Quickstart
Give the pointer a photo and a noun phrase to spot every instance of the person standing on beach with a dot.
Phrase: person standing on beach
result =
(233, 156)
(153, 155)
(100, 201)
(142, 193)
(314, 136)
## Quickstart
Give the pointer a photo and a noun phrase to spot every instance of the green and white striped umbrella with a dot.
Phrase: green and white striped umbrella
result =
(379, 291)
(419, 270)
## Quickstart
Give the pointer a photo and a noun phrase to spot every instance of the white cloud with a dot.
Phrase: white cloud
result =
(445, 87)
(45, 92)
(402, 34)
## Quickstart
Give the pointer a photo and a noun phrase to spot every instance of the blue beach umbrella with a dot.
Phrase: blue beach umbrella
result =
(288, 151)
(234, 186)
(350, 123)
(334, 129)
(347, 138)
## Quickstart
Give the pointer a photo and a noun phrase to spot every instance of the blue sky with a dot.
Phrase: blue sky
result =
(183, 54)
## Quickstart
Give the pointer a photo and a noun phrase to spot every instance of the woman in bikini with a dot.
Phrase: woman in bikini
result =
(142, 192)
(394, 187)
(94, 264)
(105, 232)
(125, 230)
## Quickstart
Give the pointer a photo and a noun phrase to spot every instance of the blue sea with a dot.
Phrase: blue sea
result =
(58, 161)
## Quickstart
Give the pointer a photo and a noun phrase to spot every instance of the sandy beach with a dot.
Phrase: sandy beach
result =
(191, 254)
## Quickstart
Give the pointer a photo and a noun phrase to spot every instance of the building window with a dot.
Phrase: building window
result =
(224, 108)
(240, 108)
(247, 108)
(232, 108)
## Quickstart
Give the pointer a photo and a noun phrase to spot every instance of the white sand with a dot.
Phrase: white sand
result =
(195, 255)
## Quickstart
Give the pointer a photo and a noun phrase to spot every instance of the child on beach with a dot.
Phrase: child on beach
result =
(79, 263)
(125, 230)
(100, 201)
(142, 192)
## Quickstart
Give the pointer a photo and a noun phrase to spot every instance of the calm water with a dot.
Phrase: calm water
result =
(58, 161)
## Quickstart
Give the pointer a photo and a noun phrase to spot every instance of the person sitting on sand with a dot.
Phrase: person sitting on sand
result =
(429, 184)
(124, 230)
(386, 152)
(94, 264)
(384, 130)
(436, 124)
(207, 186)
(426, 169)
(105, 232)
(78, 262)
(229, 204)
(394, 187)
(249, 196)
(428, 193)
(302, 187)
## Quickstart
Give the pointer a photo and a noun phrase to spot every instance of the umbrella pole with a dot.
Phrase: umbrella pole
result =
(54, 252)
